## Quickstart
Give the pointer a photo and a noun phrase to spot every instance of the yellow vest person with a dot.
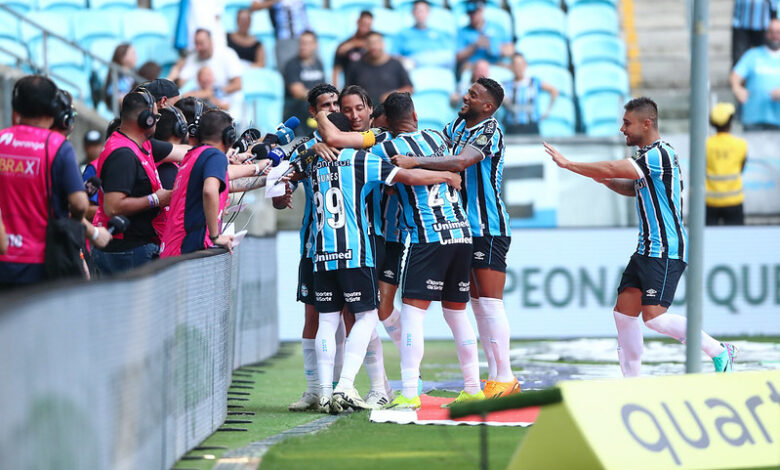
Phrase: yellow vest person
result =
(726, 155)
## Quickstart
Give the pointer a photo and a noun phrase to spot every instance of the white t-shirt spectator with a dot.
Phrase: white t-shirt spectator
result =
(226, 65)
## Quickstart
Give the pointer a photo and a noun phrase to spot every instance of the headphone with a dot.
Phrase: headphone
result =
(63, 111)
(229, 135)
(192, 129)
(180, 127)
(147, 119)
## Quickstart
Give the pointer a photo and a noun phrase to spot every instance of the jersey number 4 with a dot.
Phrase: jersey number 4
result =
(334, 204)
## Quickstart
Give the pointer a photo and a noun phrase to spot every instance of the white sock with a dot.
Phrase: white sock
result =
(412, 348)
(341, 341)
(484, 338)
(629, 344)
(375, 363)
(326, 350)
(355, 349)
(675, 326)
(498, 329)
(466, 343)
(393, 327)
(310, 366)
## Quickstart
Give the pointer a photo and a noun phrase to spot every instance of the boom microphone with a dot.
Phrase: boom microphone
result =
(118, 224)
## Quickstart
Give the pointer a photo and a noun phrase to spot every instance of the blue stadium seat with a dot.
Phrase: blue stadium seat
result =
(94, 25)
(544, 49)
(493, 14)
(56, 22)
(556, 76)
(170, 9)
(141, 23)
(113, 4)
(327, 50)
(459, 4)
(263, 97)
(433, 110)
(104, 49)
(61, 5)
(573, 3)
(536, 18)
(435, 80)
(60, 54)
(562, 120)
(313, 3)
(441, 19)
(77, 83)
(406, 5)
(269, 44)
(598, 48)
(17, 52)
(21, 6)
(601, 113)
(600, 76)
(390, 22)
(356, 4)
(500, 74)
(9, 26)
(591, 18)
(261, 27)
(514, 3)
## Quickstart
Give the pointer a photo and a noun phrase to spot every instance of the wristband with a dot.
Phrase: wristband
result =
(151, 200)
(369, 139)
(95, 234)
(257, 169)
(155, 200)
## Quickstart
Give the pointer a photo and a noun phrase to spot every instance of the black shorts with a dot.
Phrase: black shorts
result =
(657, 278)
(490, 253)
(390, 270)
(378, 248)
(437, 272)
(357, 288)
(306, 281)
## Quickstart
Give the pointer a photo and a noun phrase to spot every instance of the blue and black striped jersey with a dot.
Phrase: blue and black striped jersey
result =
(754, 14)
(395, 228)
(306, 234)
(374, 199)
(481, 187)
(340, 188)
(659, 203)
(434, 212)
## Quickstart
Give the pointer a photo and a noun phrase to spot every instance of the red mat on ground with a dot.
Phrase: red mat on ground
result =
(432, 413)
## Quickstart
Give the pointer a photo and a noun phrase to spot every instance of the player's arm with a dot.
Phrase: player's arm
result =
(284, 202)
(469, 156)
(596, 170)
(331, 134)
(420, 177)
(624, 187)
(211, 210)
(244, 170)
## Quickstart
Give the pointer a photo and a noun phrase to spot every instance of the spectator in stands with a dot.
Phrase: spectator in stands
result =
(726, 157)
(521, 99)
(290, 21)
(172, 128)
(207, 90)
(124, 56)
(149, 70)
(481, 39)
(93, 145)
(378, 73)
(352, 50)
(755, 82)
(423, 45)
(748, 28)
(225, 65)
(301, 74)
(249, 49)
(37, 163)
(165, 92)
(480, 69)
(131, 185)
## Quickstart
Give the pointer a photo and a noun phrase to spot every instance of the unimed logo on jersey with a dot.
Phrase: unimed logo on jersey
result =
(19, 166)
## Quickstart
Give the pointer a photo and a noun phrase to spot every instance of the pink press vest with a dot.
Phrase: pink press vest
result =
(119, 140)
(174, 229)
(24, 196)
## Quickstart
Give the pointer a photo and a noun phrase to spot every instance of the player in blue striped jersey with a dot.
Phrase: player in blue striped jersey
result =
(343, 258)
(650, 279)
(321, 97)
(478, 153)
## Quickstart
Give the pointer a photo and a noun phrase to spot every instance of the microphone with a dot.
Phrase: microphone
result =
(300, 164)
(93, 185)
(118, 224)
(247, 138)
(264, 151)
(284, 132)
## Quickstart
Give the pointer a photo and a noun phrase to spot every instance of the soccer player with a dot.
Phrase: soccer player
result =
(478, 153)
(438, 259)
(344, 257)
(649, 281)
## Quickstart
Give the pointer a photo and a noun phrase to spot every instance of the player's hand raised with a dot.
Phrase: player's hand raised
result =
(557, 157)
(403, 161)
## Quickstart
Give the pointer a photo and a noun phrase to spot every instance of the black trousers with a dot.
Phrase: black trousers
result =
(729, 215)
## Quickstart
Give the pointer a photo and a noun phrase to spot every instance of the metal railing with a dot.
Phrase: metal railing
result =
(113, 69)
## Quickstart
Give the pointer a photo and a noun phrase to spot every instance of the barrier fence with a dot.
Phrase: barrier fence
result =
(132, 372)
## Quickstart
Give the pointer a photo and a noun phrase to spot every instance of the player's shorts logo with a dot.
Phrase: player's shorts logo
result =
(304, 290)
(389, 274)
(324, 296)
(430, 284)
(651, 292)
(479, 256)
(352, 296)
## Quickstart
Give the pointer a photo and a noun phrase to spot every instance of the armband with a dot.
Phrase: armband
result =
(95, 234)
(369, 139)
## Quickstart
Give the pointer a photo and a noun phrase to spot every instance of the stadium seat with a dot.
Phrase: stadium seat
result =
(75, 80)
(141, 23)
(390, 22)
(16, 54)
(513, 3)
(493, 14)
(269, 44)
(9, 26)
(61, 5)
(435, 80)
(544, 49)
(572, 3)
(441, 19)
(170, 9)
(556, 76)
(263, 97)
(356, 4)
(458, 4)
(326, 46)
(601, 113)
(313, 3)
(433, 110)
(500, 74)
(406, 5)
(113, 4)
(600, 76)
(597, 48)
(261, 28)
(21, 6)
(104, 49)
(56, 22)
(562, 120)
(94, 25)
(536, 18)
(591, 18)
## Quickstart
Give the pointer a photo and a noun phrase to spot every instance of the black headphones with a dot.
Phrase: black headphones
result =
(180, 127)
(147, 119)
(192, 129)
(229, 135)
(63, 111)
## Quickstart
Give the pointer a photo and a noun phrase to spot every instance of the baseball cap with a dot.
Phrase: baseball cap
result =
(475, 5)
(162, 87)
(93, 137)
(721, 113)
